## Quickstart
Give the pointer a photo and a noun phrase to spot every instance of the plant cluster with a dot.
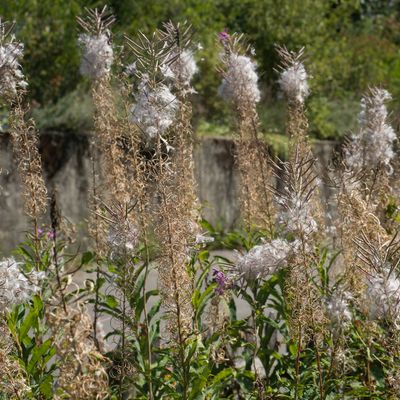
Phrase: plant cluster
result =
(307, 308)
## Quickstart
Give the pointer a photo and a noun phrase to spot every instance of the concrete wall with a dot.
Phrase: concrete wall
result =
(67, 168)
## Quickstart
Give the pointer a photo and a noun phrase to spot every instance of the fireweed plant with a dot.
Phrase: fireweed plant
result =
(290, 314)
(240, 88)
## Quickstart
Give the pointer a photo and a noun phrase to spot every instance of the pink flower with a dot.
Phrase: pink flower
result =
(223, 36)
(220, 279)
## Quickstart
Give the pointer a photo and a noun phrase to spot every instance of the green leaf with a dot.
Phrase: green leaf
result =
(29, 322)
(37, 353)
(46, 386)
(111, 301)
(87, 257)
(225, 373)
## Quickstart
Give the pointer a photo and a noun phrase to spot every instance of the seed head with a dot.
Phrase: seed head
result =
(372, 146)
(16, 287)
(265, 259)
(293, 75)
(240, 81)
(11, 52)
(97, 55)
(155, 109)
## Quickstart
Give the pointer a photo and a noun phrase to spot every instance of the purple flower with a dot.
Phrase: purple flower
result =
(40, 232)
(223, 36)
(51, 235)
(221, 280)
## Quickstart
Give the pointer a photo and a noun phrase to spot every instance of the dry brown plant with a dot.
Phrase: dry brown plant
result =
(177, 218)
(24, 135)
(298, 218)
(378, 260)
(81, 373)
(170, 167)
(25, 146)
(293, 81)
(110, 184)
(110, 142)
(252, 153)
(363, 181)
(307, 319)
(12, 380)
(118, 193)
(295, 90)
(356, 217)
(176, 231)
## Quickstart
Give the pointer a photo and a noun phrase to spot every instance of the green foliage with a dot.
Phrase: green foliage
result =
(210, 364)
(35, 353)
(72, 112)
(48, 30)
(350, 45)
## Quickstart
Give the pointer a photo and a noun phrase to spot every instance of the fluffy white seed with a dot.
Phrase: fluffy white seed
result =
(265, 259)
(184, 67)
(297, 215)
(338, 311)
(97, 55)
(123, 237)
(293, 82)
(11, 76)
(373, 144)
(155, 109)
(383, 297)
(15, 287)
(240, 83)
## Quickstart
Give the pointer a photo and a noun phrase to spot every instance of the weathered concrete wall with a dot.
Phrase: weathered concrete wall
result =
(218, 180)
(67, 168)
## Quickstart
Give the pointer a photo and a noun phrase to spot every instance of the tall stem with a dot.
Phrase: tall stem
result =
(96, 239)
(146, 317)
(297, 364)
(123, 337)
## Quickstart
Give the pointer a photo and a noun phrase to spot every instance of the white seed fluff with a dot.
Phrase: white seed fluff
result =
(203, 239)
(240, 83)
(123, 236)
(373, 144)
(297, 214)
(338, 311)
(184, 67)
(131, 69)
(265, 259)
(11, 76)
(15, 287)
(97, 55)
(293, 82)
(155, 109)
(383, 297)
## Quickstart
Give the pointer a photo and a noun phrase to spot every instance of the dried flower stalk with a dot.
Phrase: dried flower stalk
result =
(162, 113)
(293, 81)
(25, 145)
(23, 132)
(82, 374)
(298, 219)
(12, 80)
(13, 383)
(300, 214)
(356, 217)
(111, 185)
(178, 212)
(363, 185)
(239, 86)
(370, 154)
